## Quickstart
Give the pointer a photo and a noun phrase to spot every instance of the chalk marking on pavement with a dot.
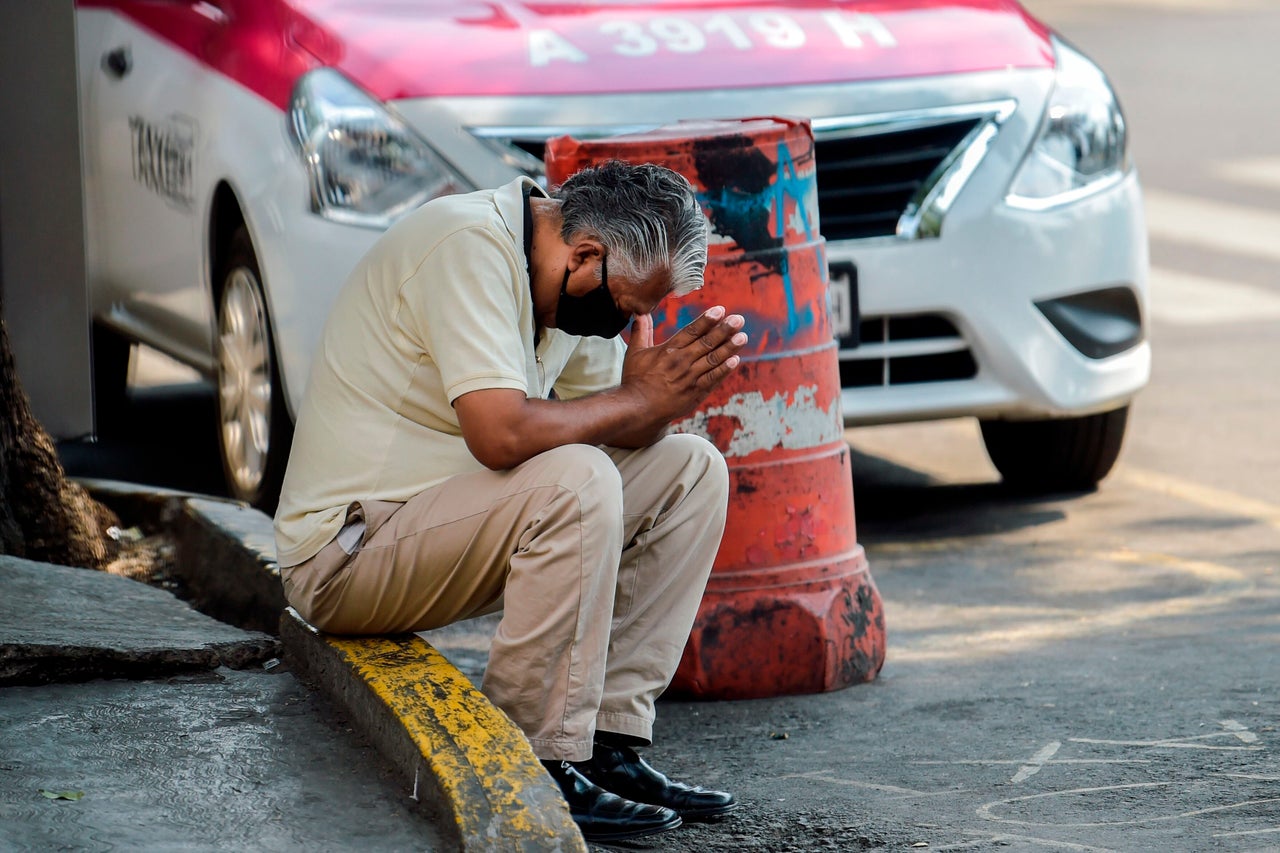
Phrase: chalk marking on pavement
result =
(969, 845)
(1250, 171)
(986, 811)
(1037, 762)
(1246, 832)
(1240, 805)
(1169, 745)
(1214, 225)
(1011, 762)
(1232, 728)
(1240, 730)
(1005, 837)
(1252, 776)
(826, 776)
(1194, 300)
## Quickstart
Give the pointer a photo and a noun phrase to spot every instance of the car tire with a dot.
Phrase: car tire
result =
(1059, 455)
(254, 427)
(111, 354)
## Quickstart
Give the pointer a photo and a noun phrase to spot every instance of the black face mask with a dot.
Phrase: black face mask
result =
(594, 313)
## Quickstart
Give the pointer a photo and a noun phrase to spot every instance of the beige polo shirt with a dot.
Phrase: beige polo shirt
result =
(440, 306)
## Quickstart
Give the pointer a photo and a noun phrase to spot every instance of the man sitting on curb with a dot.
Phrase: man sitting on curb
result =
(475, 436)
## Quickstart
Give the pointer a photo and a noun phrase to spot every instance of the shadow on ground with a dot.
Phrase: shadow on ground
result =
(894, 502)
(165, 437)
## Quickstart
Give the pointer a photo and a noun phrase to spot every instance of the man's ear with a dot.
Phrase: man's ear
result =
(583, 251)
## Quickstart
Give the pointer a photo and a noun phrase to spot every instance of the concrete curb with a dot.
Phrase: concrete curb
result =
(468, 764)
(226, 558)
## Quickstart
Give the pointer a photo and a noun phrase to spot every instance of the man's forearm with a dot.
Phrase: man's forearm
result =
(503, 428)
(614, 417)
(660, 383)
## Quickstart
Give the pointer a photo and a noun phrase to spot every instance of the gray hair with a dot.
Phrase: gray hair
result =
(647, 217)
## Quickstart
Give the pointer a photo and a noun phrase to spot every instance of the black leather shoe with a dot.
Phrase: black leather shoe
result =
(602, 816)
(621, 770)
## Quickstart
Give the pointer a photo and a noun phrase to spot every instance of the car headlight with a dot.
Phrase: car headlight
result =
(367, 167)
(1082, 145)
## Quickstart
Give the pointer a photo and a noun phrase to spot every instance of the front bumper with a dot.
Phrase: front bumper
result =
(983, 276)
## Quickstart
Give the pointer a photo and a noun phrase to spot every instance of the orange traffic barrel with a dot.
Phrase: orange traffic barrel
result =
(790, 606)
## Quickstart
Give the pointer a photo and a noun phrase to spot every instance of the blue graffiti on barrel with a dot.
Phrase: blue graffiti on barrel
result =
(748, 187)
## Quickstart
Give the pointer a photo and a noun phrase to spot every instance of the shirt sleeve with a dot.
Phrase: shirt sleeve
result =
(595, 365)
(461, 306)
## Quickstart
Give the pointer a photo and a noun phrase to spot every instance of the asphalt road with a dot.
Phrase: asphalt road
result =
(1091, 672)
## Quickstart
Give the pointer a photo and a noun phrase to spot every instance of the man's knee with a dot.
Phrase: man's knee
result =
(584, 470)
(693, 453)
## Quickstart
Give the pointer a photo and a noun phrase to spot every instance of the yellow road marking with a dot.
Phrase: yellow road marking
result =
(963, 632)
(1209, 497)
(947, 631)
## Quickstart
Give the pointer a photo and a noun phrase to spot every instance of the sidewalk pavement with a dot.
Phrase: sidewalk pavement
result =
(1043, 693)
(210, 710)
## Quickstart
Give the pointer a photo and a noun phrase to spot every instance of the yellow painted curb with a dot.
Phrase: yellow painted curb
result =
(469, 762)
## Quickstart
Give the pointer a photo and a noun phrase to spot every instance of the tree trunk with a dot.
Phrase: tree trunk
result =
(43, 515)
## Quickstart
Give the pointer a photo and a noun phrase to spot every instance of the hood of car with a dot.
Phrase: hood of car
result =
(400, 49)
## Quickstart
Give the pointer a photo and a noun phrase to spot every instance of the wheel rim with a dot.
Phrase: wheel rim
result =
(244, 381)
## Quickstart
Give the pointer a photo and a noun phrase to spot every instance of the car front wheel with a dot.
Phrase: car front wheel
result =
(254, 428)
(1059, 455)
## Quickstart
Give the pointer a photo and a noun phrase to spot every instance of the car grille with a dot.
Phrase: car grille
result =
(875, 173)
(906, 350)
(866, 182)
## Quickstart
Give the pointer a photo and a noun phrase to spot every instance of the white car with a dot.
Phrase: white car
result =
(983, 221)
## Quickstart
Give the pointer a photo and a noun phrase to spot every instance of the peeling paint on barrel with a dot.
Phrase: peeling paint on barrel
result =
(794, 421)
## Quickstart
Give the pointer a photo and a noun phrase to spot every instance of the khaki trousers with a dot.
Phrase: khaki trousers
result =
(597, 557)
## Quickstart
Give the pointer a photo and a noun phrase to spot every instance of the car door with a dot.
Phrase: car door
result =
(140, 108)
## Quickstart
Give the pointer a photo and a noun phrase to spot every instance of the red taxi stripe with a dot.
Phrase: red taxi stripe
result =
(434, 48)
